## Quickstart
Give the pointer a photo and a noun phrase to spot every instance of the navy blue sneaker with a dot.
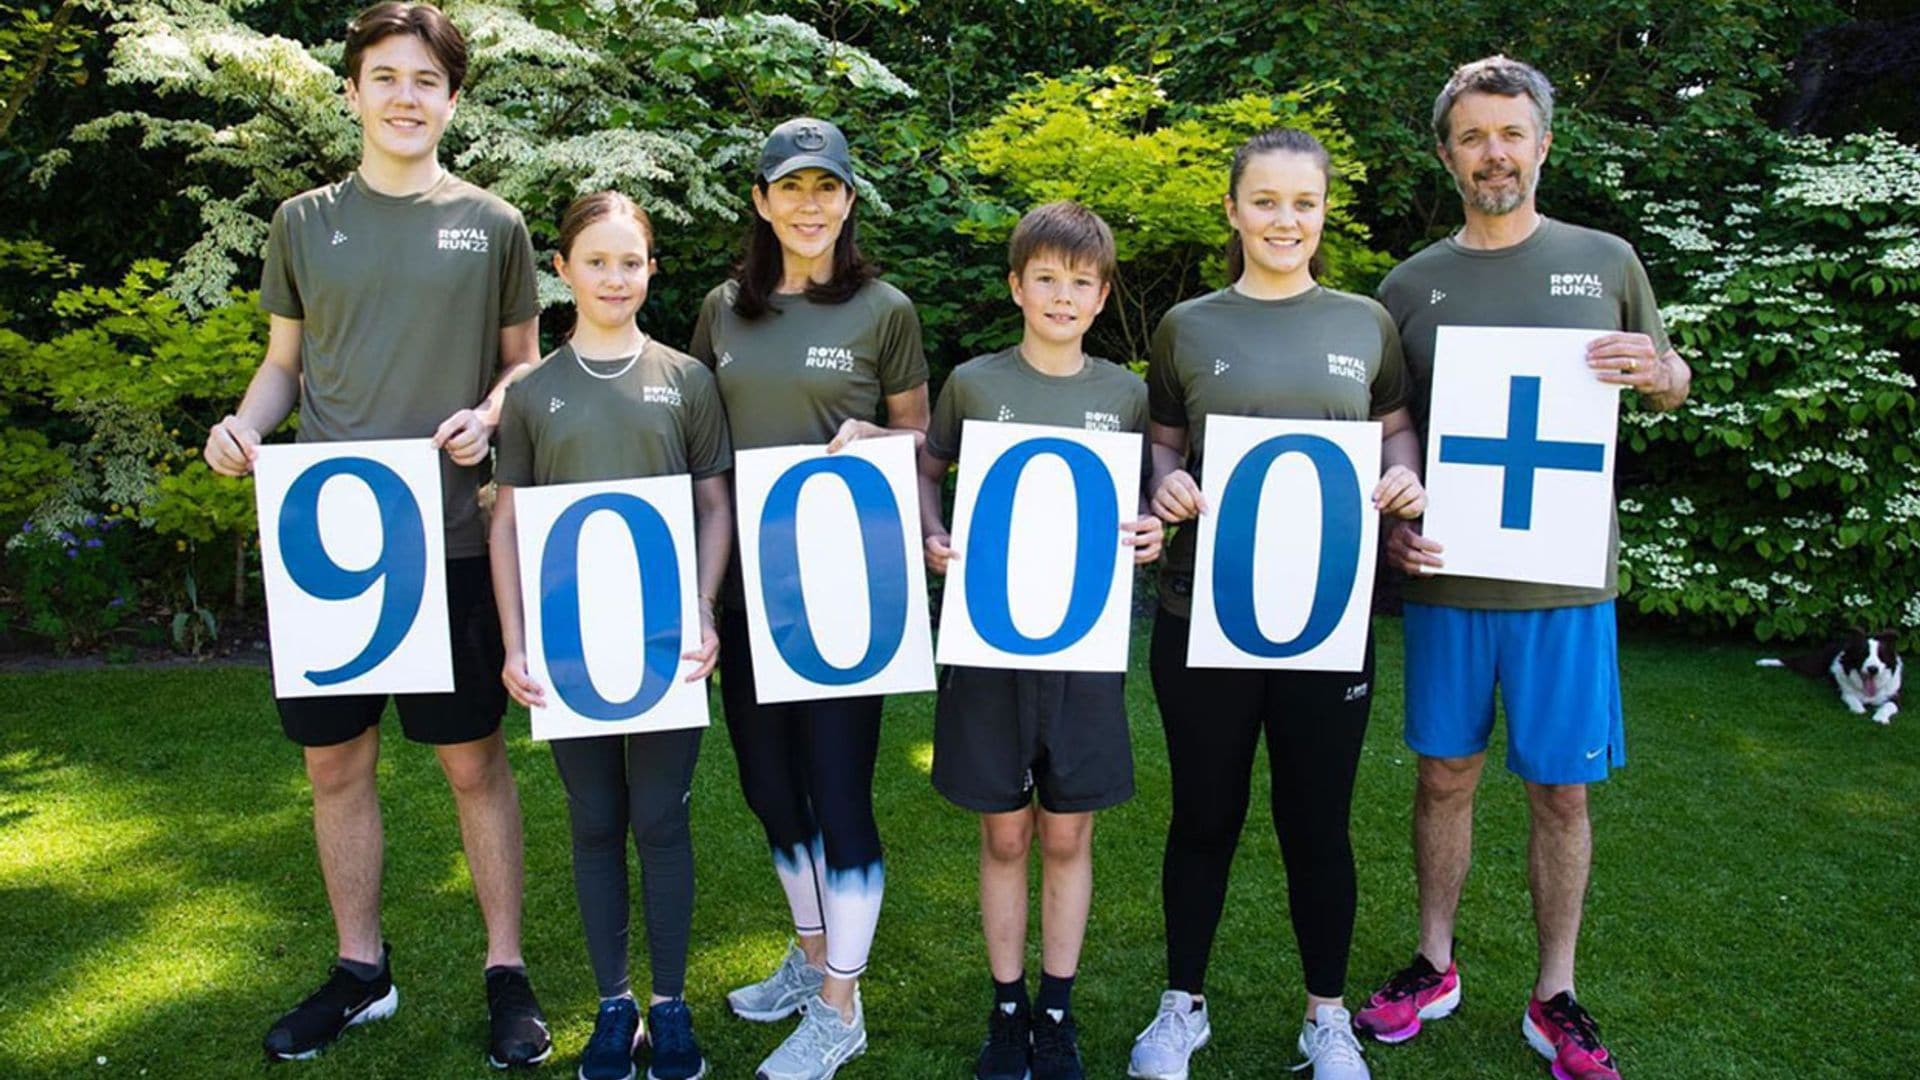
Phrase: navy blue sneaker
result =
(616, 1037)
(676, 1056)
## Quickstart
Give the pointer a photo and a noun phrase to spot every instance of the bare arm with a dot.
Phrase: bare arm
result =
(939, 544)
(1176, 495)
(503, 555)
(466, 434)
(713, 546)
(1399, 492)
(270, 396)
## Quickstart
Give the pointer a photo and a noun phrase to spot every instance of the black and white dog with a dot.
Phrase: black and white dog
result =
(1864, 667)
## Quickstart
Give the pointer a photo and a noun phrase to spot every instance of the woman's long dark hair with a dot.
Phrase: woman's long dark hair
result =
(758, 272)
(1277, 140)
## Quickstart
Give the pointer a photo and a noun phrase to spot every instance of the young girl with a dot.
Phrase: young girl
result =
(1261, 347)
(809, 347)
(613, 404)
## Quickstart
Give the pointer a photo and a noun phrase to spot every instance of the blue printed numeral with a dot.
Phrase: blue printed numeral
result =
(1339, 545)
(659, 600)
(402, 563)
(882, 542)
(1097, 514)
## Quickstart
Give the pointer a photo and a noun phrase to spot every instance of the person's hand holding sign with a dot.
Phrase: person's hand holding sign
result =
(231, 447)
(1178, 498)
(521, 686)
(464, 436)
(1632, 361)
(1144, 534)
(708, 654)
(1399, 494)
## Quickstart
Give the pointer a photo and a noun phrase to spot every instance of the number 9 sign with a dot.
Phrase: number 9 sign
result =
(353, 555)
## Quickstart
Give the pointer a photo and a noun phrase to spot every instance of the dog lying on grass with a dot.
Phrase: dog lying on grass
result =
(1865, 668)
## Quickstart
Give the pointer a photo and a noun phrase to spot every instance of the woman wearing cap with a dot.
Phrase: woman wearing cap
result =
(809, 347)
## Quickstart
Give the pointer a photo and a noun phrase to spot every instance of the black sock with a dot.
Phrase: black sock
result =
(1056, 993)
(1011, 993)
(363, 972)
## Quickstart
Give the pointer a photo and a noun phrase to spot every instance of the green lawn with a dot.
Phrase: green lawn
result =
(1753, 914)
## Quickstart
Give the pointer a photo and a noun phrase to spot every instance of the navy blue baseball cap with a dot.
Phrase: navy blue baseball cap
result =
(805, 143)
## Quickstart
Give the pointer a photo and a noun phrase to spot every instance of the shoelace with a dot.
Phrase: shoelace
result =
(1168, 1030)
(1331, 1044)
(1055, 1044)
(1409, 981)
(817, 1032)
(673, 1029)
(1575, 1020)
(1004, 1030)
(614, 1037)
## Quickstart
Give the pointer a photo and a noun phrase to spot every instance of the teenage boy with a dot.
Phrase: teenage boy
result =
(1001, 737)
(1551, 648)
(399, 297)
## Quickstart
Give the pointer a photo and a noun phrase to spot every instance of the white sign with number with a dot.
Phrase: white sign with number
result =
(353, 556)
(1283, 573)
(835, 583)
(1043, 578)
(608, 588)
(1520, 453)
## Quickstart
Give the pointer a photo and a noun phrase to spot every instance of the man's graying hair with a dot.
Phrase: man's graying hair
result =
(1494, 75)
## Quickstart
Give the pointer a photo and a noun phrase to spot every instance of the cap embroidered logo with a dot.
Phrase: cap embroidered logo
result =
(810, 138)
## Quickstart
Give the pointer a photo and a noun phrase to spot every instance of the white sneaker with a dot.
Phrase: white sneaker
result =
(820, 1045)
(1328, 1045)
(1161, 1051)
(780, 994)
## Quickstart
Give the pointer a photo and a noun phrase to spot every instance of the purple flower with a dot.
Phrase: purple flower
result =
(26, 527)
(73, 553)
(117, 601)
(93, 541)
(90, 521)
(66, 537)
(110, 523)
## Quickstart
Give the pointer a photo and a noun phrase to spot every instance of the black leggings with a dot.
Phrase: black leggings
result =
(806, 768)
(1315, 722)
(642, 783)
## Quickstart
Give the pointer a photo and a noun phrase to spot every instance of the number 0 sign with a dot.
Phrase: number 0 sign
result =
(354, 559)
(607, 588)
(1283, 572)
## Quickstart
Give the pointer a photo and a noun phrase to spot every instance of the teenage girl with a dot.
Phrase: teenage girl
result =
(1275, 343)
(810, 348)
(609, 404)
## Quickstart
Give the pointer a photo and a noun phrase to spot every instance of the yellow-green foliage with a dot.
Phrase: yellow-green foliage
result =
(1156, 171)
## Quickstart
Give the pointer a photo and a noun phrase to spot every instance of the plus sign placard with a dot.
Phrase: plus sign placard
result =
(1520, 451)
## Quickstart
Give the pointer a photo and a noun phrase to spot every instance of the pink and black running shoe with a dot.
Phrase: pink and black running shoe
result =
(1566, 1034)
(1416, 992)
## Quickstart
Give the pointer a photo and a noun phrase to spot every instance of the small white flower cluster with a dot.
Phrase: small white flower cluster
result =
(1910, 614)
(1904, 257)
(1903, 507)
(1754, 589)
(1753, 530)
(1856, 512)
(1884, 171)
(1857, 600)
(1682, 505)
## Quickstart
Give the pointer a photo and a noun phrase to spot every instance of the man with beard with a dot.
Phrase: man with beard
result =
(1550, 649)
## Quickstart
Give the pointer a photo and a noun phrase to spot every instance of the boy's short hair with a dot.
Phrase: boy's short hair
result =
(424, 21)
(1067, 229)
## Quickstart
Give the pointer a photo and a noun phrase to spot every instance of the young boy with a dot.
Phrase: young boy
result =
(1002, 737)
(398, 298)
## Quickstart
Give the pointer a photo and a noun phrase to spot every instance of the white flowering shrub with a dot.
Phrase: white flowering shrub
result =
(1785, 495)
(560, 99)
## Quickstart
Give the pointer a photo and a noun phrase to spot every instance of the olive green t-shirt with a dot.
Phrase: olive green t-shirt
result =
(573, 420)
(1562, 276)
(401, 300)
(1321, 355)
(792, 376)
(1101, 396)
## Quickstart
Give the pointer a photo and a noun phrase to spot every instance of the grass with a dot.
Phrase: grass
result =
(1753, 912)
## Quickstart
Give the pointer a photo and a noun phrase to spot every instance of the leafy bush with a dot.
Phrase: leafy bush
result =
(1785, 496)
(75, 584)
(1156, 171)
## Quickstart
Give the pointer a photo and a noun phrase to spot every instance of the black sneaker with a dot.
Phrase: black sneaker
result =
(1056, 1048)
(1007, 1053)
(341, 1002)
(516, 1029)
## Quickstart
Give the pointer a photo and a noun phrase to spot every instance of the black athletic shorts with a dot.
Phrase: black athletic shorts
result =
(1000, 737)
(471, 711)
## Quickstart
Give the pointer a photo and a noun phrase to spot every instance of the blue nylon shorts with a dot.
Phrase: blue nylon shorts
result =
(1558, 672)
